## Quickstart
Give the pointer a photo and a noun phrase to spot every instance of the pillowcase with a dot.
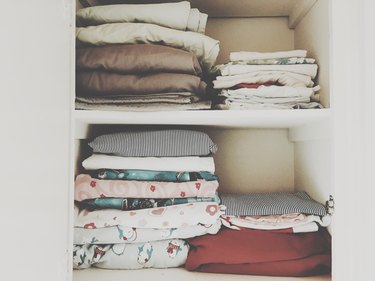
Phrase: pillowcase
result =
(273, 203)
(159, 143)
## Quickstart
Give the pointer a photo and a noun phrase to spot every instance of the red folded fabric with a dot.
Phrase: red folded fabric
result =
(260, 252)
(254, 85)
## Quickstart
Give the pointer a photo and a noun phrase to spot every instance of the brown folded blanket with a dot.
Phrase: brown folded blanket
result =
(96, 83)
(136, 59)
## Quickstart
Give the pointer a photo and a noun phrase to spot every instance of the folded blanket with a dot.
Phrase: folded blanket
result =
(267, 100)
(136, 59)
(97, 83)
(235, 69)
(205, 48)
(238, 56)
(273, 203)
(261, 77)
(127, 204)
(261, 253)
(146, 175)
(127, 235)
(155, 143)
(144, 106)
(162, 217)
(188, 164)
(86, 187)
(174, 15)
(156, 254)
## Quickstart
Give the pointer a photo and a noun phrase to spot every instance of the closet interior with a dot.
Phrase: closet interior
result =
(273, 150)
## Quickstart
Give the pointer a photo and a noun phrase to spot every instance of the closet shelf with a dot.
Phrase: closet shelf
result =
(295, 10)
(177, 273)
(219, 118)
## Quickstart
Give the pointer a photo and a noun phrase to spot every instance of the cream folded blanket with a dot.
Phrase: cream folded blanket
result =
(205, 48)
(173, 15)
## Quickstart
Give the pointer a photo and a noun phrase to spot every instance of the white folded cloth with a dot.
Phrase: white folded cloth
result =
(237, 56)
(188, 164)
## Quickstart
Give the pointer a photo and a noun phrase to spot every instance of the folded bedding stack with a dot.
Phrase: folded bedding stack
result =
(275, 80)
(275, 234)
(143, 194)
(146, 57)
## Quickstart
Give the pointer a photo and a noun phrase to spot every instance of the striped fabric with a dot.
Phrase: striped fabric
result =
(276, 203)
(162, 143)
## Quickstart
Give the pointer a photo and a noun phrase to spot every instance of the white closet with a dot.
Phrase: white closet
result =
(323, 152)
(259, 150)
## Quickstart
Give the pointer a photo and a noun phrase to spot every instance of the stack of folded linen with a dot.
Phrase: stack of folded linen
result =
(270, 234)
(145, 191)
(143, 57)
(276, 80)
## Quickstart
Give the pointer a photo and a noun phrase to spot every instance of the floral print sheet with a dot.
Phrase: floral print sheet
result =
(124, 234)
(162, 217)
(87, 187)
(156, 254)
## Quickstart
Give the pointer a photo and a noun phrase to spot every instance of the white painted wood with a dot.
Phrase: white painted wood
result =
(313, 131)
(354, 134)
(35, 139)
(177, 274)
(299, 10)
(229, 118)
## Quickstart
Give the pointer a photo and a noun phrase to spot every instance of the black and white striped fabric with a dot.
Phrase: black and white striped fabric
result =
(161, 143)
(276, 203)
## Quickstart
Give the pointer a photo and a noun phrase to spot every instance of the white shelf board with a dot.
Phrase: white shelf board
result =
(222, 118)
(179, 274)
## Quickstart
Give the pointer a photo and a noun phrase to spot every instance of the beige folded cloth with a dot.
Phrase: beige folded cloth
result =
(138, 58)
(205, 48)
(173, 15)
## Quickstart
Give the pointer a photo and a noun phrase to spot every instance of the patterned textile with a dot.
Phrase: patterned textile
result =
(162, 217)
(125, 234)
(188, 164)
(277, 61)
(157, 254)
(163, 143)
(244, 55)
(146, 175)
(139, 203)
(276, 203)
(88, 188)
(261, 252)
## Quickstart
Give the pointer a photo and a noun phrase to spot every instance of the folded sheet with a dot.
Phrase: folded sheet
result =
(188, 164)
(261, 77)
(144, 106)
(162, 217)
(238, 56)
(155, 143)
(276, 61)
(205, 48)
(235, 69)
(146, 175)
(173, 15)
(156, 254)
(136, 59)
(128, 203)
(261, 252)
(126, 235)
(100, 84)
(271, 92)
(182, 98)
(86, 187)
